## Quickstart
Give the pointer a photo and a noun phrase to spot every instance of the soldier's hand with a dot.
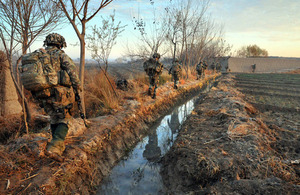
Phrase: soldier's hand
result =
(77, 97)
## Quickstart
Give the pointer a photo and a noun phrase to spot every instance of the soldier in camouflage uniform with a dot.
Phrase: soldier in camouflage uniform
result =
(176, 71)
(153, 69)
(200, 68)
(58, 100)
(213, 67)
(253, 67)
(218, 67)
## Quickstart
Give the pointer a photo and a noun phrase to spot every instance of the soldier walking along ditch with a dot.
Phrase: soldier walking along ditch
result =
(200, 68)
(176, 72)
(153, 68)
(51, 76)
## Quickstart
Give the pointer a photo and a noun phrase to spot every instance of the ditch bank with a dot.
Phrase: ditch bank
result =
(90, 153)
(225, 147)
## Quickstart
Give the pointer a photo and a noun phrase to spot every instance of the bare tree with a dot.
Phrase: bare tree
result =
(187, 21)
(78, 16)
(173, 32)
(151, 35)
(191, 33)
(79, 13)
(103, 38)
(22, 21)
(8, 25)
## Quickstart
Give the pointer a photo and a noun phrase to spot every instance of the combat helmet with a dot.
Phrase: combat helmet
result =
(156, 55)
(55, 39)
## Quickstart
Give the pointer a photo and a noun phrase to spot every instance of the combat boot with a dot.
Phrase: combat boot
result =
(154, 96)
(55, 149)
(149, 92)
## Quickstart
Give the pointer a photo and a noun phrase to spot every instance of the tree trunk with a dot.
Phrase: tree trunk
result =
(9, 104)
(81, 72)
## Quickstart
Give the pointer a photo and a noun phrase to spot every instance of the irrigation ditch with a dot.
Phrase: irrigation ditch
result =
(139, 171)
(90, 154)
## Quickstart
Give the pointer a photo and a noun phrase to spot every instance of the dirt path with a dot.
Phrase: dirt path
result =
(227, 146)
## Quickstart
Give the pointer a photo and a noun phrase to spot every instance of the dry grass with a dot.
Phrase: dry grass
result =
(99, 94)
(10, 127)
(297, 71)
(164, 77)
(239, 130)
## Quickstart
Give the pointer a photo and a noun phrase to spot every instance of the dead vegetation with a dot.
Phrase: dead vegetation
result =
(226, 145)
(297, 71)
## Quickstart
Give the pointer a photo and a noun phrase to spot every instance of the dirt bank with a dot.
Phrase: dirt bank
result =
(90, 153)
(227, 146)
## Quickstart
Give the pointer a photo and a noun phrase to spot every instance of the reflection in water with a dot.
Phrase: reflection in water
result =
(174, 123)
(152, 151)
(139, 172)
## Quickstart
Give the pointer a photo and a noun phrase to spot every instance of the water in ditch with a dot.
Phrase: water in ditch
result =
(139, 172)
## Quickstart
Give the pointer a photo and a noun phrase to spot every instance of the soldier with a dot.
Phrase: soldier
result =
(204, 67)
(218, 67)
(253, 67)
(153, 69)
(176, 71)
(200, 68)
(213, 67)
(61, 97)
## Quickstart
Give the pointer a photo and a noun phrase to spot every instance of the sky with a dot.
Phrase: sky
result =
(273, 25)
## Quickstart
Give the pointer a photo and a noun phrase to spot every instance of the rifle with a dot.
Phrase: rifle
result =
(164, 68)
(78, 100)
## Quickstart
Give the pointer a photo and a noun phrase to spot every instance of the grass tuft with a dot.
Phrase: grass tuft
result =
(100, 97)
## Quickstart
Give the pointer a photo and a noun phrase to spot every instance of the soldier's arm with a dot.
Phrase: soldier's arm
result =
(69, 66)
(161, 67)
(180, 69)
(170, 71)
(145, 65)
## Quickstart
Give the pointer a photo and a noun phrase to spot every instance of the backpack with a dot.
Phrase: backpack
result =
(152, 67)
(176, 68)
(39, 71)
(199, 67)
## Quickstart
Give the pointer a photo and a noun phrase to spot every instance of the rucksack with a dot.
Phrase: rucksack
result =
(152, 67)
(39, 72)
(176, 68)
(199, 67)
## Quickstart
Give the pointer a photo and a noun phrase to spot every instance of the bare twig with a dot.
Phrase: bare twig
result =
(29, 177)
(24, 111)
(8, 184)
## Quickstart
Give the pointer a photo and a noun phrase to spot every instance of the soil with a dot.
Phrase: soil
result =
(238, 143)
(90, 153)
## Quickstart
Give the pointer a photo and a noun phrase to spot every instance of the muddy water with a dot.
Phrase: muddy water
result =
(138, 173)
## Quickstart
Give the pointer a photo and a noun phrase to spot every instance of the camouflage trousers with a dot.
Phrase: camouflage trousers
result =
(199, 74)
(59, 131)
(153, 83)
(175, 78)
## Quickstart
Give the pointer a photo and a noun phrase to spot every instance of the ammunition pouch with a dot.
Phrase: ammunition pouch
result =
(64, 78)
